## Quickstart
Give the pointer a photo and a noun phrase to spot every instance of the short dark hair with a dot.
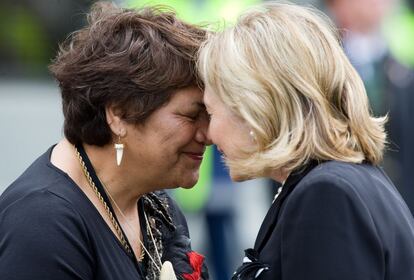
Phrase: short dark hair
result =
(133, 60)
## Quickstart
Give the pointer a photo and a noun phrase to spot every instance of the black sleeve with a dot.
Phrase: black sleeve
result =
(329, 234)
(42, 237)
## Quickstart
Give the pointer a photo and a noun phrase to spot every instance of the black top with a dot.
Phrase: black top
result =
(335, 221)
(49, 229)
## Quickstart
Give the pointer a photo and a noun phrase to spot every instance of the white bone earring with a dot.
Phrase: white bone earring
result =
(119, 148)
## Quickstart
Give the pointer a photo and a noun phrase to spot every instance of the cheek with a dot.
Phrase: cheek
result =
(216, 131)
(187, 136)
(182, 135)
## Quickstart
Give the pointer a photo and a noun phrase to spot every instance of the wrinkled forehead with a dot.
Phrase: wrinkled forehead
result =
(188, 97)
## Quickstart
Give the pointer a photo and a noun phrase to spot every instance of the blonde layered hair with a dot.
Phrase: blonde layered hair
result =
(281, 69)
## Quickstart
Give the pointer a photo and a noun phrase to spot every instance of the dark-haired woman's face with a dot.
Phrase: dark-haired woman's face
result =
(171, 143)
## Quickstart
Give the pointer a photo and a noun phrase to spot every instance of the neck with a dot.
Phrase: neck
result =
(124, 184)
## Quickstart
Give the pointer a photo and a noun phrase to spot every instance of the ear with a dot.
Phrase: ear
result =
(115, 123)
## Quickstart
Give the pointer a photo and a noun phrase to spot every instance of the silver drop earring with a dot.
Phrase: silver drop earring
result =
(119, 148)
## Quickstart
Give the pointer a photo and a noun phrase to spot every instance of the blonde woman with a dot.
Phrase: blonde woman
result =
(285, 103)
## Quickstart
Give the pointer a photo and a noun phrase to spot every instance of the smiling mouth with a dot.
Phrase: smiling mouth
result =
(195, 156)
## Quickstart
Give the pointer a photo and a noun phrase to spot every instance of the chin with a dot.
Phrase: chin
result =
(188, 185)
(189, 181)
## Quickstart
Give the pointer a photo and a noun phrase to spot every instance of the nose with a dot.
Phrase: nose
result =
(202, 135)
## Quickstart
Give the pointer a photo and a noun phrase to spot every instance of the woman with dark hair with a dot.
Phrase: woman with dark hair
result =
(91, 207)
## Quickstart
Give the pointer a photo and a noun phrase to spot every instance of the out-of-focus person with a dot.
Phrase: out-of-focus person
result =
(389, 83)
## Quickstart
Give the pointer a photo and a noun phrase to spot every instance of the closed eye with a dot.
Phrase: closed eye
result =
(192, 116)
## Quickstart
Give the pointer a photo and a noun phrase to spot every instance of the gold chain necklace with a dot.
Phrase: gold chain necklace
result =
(108, 211)
(131, 229)
(166, 270)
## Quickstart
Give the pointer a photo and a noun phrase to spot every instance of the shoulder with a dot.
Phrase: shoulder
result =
(323, 215)
(39, 212)
(42, 221)
(46, 234)
(50, 195)
(334, 191)
(38, 182)
(340, 178)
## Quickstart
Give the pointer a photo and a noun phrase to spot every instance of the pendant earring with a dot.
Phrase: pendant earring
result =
(119, 148)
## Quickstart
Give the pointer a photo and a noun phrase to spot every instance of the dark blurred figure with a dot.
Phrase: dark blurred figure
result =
(389, 84)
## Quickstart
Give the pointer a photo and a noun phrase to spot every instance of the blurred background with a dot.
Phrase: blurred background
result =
(224, 218)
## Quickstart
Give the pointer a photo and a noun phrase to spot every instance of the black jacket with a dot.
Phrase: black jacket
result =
(335, 221)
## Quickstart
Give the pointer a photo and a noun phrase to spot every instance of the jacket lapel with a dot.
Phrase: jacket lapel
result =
(270, 221)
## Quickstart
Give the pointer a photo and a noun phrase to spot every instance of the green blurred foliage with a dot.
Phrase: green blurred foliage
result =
(23, 38)
(200, 11)
(399, 30)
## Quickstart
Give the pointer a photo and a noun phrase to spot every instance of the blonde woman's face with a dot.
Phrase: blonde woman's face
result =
(227, 131)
